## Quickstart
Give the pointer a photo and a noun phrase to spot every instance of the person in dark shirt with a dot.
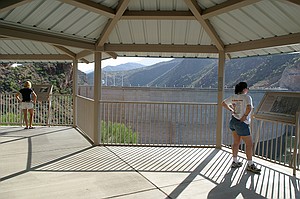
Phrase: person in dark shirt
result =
(28, 98)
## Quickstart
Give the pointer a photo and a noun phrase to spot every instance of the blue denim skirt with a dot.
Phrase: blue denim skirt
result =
(241, 128)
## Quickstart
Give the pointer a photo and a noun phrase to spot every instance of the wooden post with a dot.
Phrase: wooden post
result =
(221, 81)
(97, 98)
(75, 90)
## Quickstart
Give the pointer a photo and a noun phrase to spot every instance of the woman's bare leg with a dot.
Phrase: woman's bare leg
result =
(249, 146)
(31, 117)
(25, 117)
(236, 144)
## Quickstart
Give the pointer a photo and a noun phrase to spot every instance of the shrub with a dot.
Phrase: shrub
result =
(117, 133)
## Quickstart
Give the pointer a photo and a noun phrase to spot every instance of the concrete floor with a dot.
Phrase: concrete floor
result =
(58, 162)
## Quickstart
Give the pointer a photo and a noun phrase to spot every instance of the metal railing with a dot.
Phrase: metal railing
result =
(85, 115)
(276, 142)
(158, 123)
(56, 111)
(273, 141)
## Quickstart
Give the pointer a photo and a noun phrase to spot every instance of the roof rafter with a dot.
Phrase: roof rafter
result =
(158, 15)
(69, 53)
(34, 57)
(112, 22)
(83, 53)
(92, 7)
(264, 43)
(65, 50)
(8, 5)
(159, 48)
(225, 7)
(196, 10)
(294, 1)
(42, 36)
(112, 54)
(85, 61)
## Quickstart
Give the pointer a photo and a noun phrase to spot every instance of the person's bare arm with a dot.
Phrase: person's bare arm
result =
(18, 97)
(34, 96)
(247, 112)
(228, 107)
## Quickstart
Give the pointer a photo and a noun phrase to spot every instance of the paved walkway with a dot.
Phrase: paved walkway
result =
(58, 162)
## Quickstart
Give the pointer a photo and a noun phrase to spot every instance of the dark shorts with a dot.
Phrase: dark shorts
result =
(241, 128)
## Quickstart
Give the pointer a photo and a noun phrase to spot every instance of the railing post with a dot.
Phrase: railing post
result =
(221, 81)
(258, 132)
(296, 144)
(97, 98)
(75, 90)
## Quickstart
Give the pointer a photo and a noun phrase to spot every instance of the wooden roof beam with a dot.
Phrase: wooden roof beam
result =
(66, 51)
(123, 4)
(85, 61)
(70, 53)
(11, 4)
(34, 57)
(264, 43)
(112, 54)
(196, 10)
(294, 1)
(225, 7)
(160, 48)
(158, 15)
(83, 53)
(9, 30)
(92, 7)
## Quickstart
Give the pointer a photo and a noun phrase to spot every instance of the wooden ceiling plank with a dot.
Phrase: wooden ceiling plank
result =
(196, 10)
(123, 4)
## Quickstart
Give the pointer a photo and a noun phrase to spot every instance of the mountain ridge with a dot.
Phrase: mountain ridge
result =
(264, 71)
(282, 70)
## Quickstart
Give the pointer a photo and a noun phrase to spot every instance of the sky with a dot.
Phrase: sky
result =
(122, 60)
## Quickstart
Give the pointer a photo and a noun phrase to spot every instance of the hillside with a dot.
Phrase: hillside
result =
(122, 67)
(59, 75)
(281, 70)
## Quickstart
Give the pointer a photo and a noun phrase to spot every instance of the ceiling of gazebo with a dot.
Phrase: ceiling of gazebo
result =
(63, 30)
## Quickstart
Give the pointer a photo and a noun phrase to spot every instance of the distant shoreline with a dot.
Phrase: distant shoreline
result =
(190, 88)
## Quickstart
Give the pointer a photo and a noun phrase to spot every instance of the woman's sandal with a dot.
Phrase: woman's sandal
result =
(31, 127)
